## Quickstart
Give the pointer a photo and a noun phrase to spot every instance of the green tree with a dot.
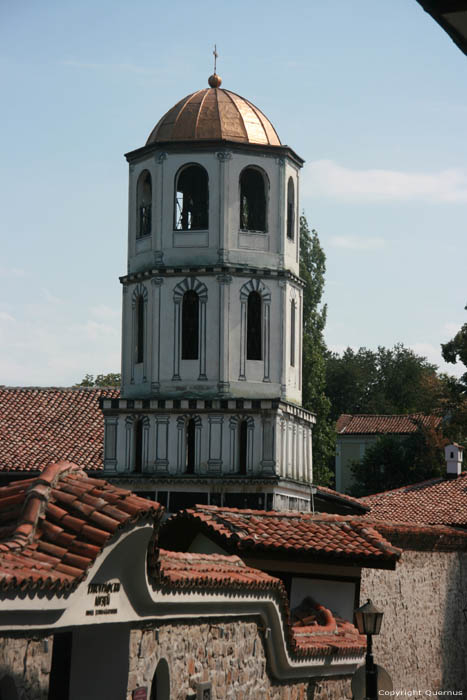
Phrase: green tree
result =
(394, 461)
(111, 379)
(312, 270)
(388, 380)
(456, 350)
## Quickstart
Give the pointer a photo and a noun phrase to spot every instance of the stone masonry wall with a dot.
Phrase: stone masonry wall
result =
(423, 640)
(27, 662)
(229, 654)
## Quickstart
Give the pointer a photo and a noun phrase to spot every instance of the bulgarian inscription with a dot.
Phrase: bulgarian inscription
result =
(102, 594)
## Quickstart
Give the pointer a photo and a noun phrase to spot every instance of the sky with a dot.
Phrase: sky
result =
(372, 94)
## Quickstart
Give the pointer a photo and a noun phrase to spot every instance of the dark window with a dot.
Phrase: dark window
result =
(253, 334)
(144, 199)
(252, 201)
(186, 499)
(59, 682)
(192, 199)
(255, 501)
(292, 334)
(190, 326)
(138, 446)
(160, 688)
(243, 446)
(140, 329)
(190, 446)
(290, 209)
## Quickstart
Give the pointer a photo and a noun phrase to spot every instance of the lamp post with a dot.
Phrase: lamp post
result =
(368, 619)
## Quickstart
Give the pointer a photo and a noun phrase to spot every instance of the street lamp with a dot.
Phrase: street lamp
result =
(369, 619)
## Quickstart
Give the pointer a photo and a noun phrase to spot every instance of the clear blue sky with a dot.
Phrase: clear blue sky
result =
(372, 94)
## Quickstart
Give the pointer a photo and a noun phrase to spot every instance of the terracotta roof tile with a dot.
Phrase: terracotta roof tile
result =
(325, 536)
(435, 502)
(43, 425)
(328, 636)
(49, 545)
(364, 424)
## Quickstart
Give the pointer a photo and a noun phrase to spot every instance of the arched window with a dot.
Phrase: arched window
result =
(290, 209)
(192, 199)
(139, 339)
(254, 350)
(252, 200)
(8, 689)
(292, 333)
(190, 326)
(160, 688)
(144, 204)
(138, 449)
(190, 446)
(243, 447)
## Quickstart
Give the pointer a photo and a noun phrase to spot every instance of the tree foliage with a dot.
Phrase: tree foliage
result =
(394, 461)
(455, 351)
(112, 379)
(312, 270)
(387, 381)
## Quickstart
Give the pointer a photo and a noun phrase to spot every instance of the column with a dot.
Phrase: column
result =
(158, 210)
(283, 337)
(177, 335)
(266, 338)
(202, 339)
(224, 343)
(223, 158)
(155, 358)
(243, 307)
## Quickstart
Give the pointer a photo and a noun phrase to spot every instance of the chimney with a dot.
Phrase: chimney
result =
(453, 455)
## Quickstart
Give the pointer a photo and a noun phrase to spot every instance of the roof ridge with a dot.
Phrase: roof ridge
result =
(36, 497)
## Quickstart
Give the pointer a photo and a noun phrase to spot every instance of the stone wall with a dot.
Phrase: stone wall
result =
(229, 654)
(423, 640)
(27, 664)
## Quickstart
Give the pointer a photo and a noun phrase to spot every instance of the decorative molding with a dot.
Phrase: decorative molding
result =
(157, 281)
(224, 279)
(158, 257)
(255, 285)
(190, 284)
(161, 157)
(224, 155)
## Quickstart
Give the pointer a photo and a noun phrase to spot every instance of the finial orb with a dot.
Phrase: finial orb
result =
(214, 80)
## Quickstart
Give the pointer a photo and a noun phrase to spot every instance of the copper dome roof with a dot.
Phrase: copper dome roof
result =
(215, 114)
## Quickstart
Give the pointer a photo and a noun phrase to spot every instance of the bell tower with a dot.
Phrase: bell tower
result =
(210, 408)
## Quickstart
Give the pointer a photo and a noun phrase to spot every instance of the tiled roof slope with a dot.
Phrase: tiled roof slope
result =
(362, 424)
(321, 634)
(435, 502)
(53, 527)
(331, 495)
(319, 537)
(43, 425)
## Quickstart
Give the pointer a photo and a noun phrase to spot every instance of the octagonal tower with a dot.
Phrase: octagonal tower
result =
(210, 410)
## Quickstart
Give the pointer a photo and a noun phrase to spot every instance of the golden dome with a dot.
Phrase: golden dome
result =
(215, 114)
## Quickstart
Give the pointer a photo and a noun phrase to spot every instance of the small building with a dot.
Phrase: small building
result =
(92, 607)
(425, 604)
(356, 432)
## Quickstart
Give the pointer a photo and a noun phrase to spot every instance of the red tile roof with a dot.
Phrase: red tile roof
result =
(323, 633)
(436, 502)
(42, 425)
(320, 537)
(53, 527)
(362, 424)
(336, 496)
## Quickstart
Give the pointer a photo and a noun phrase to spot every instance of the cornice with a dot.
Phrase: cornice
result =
(209, 271)
(210, 146)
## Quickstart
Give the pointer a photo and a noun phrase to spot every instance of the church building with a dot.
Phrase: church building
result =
(210, 407)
